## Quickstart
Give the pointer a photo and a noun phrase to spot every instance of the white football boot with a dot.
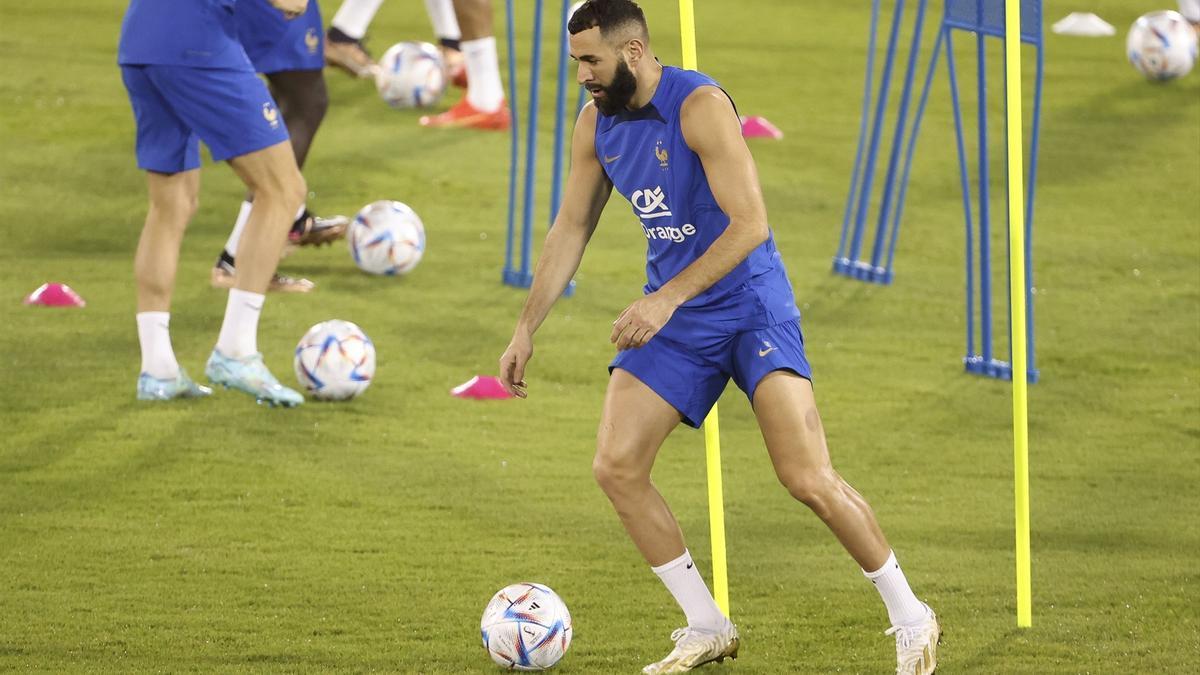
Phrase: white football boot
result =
(916, 645)
(697, 647)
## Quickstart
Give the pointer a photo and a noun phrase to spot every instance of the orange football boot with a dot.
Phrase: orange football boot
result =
(465, 115)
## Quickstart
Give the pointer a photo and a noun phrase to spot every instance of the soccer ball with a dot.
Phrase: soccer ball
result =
(411, 75)
(526, 627)
(387, 237)
(335, 361)
(1162, 45)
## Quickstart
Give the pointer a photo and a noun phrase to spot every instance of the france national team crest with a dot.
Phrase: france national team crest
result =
(312, 41)
(271, 114)
(661, 153)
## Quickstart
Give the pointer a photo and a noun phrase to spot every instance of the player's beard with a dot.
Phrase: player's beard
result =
(619, 93)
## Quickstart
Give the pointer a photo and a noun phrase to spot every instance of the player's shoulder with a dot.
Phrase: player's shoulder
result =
(588, 117)
(705, 101)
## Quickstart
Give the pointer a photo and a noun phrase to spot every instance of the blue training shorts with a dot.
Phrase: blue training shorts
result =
(275, 44)
(691, 377)
(175, 107)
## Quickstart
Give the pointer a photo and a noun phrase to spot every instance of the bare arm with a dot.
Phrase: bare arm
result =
(587, 191)
(712, 130)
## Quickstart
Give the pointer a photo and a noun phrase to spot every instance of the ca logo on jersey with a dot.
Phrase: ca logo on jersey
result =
(650, 203)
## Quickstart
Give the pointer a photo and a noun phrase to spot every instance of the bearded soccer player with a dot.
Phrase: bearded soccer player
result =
(717, 305)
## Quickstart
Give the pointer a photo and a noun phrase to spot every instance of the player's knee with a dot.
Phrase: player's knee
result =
(615, 476)
(816, 489)
(173, 210)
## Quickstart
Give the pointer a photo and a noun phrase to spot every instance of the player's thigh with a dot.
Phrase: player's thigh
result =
(633, 425)
(178, 191)
(230, 110)
(165, 142)
(791, 426)
(270, 170)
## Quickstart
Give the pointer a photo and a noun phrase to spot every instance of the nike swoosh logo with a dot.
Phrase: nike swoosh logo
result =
(257, 309)
(689, 566)
(764, 352)
(610, 160)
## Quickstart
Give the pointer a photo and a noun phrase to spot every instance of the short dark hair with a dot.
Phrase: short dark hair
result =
(610, 16)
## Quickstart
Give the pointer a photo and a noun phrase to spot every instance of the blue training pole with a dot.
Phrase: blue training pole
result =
(901, 121)
(560, 115)
(912, 144)
(531, 147)
(862, 134)
(514, 143)
(864, 196)
(985, 244)
(959, 138)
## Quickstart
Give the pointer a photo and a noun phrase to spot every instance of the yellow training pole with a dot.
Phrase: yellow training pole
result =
(1016, 275)
(712, 429)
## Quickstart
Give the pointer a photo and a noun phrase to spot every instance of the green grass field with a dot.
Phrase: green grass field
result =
(220, 536)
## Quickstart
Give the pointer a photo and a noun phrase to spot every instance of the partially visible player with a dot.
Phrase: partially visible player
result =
(188, 80)
(1190, 9)
(483, 106)
(289, 54)
(344, 41)
(718, 305)
(344, 46)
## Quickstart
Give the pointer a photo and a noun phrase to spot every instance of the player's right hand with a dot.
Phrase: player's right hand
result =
(291, 8)
(512, 364)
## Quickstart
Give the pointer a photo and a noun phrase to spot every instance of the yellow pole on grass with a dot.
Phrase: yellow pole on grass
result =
(712, 429)
(1016, 275)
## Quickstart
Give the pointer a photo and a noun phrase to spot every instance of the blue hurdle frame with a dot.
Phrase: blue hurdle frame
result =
(984, 18)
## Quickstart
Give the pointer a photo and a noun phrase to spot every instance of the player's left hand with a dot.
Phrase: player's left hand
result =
(641, 321)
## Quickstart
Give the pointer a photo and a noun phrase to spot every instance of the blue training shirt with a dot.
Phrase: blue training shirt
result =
(648, 161)
(193, 33)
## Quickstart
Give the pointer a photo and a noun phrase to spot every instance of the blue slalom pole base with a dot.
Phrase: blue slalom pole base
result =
(1000, 370)
(863, 271)
(525, 280)
(517, 278)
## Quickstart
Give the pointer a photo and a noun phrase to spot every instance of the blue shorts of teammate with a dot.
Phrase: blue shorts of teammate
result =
(176, 107)
(691, 377)
(275, 44)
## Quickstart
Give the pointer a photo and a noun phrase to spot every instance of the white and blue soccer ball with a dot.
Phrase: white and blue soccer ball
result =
(411, 75)
(526, 626)
(387, 238)
(1162, 45)
(335, 361)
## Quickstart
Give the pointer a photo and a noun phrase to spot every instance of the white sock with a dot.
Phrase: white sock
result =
(486, 92)
(154, 335)
(445, 22)
(235, 236)
(685, 583)
(353, 17)
(903, 608)
(239, 332)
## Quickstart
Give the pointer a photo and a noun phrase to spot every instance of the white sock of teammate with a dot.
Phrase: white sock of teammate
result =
(353, 17)
(903, 608)
(239, 225)
(445, 22)
(486, 92)
(239, 332)
(154, 335)
(235, 236)
(681, 577)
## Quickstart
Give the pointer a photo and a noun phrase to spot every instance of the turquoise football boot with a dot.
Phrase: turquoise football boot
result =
(181, 386)
(250, 374)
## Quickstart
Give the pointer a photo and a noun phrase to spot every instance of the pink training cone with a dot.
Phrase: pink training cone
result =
(756, 126)
(55, 295)
(481, 387)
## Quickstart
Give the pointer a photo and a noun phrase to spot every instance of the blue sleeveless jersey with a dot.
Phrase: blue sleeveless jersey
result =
(649, 162)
